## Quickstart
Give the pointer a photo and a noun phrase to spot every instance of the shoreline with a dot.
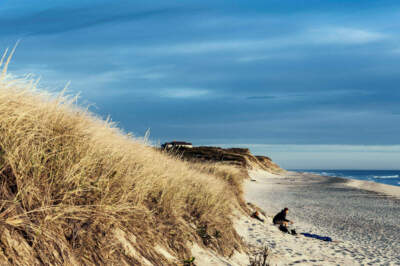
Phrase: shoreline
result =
(361, 215)
(390, 190)
(378, 180)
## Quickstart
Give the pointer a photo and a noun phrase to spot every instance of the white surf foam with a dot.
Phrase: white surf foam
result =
(386, 176)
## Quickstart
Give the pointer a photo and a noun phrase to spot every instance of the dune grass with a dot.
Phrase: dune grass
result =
(232, 175)
(74, 189)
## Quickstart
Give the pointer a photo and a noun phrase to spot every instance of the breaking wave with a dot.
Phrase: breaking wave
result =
(386, 176)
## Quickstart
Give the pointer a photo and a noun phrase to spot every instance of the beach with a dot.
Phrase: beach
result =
(363, 221)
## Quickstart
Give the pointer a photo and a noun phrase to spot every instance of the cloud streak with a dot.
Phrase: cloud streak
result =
(343, 35)
(184, 93)
(59, 20)
(308, 37)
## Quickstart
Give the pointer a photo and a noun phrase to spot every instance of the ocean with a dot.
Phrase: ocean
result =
(389, 177)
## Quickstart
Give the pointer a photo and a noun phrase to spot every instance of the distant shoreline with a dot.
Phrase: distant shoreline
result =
(386, 177)
(390, 190)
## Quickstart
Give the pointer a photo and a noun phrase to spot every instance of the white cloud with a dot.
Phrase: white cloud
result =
(212, 46)
(319, 36)
(247, 59)
(264, 56)
(207, 46)
(343, 35)
(396, 51)
(183, 93)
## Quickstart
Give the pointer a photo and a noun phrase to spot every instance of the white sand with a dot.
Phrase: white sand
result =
(366, 223)
(207, 257)
(363, 217)
(286, 249)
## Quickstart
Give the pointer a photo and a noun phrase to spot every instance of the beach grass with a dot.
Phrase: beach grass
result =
(75, 189)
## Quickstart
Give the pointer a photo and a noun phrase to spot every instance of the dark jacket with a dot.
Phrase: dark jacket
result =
(280, 217)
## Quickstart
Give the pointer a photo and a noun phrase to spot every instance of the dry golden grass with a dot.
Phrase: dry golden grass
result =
(231, 174)
(75, 190)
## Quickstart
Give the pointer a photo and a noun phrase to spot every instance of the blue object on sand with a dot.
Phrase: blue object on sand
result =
(323, 238)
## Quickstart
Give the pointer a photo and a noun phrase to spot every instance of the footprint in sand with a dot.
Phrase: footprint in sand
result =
(298, 261)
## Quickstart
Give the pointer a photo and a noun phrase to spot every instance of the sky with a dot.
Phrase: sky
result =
(311, 83)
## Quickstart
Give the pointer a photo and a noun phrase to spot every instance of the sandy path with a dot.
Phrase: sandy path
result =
(366, 223)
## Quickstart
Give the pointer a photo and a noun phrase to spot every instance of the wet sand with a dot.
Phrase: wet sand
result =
(366, 223)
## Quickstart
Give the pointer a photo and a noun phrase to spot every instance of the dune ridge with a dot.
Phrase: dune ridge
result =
(240, 157)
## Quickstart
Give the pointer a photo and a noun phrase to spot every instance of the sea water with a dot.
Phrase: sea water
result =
(389, 177)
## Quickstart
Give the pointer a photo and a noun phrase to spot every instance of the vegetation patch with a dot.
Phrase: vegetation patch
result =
(77, 190)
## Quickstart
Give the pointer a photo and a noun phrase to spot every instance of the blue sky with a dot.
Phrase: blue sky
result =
(322, 74)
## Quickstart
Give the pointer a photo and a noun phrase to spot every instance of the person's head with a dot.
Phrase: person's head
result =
(286, 210)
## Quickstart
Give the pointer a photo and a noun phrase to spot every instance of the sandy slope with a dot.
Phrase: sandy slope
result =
(366, 223)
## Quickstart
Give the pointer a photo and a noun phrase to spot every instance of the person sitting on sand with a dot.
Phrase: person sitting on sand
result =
(280, 218)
